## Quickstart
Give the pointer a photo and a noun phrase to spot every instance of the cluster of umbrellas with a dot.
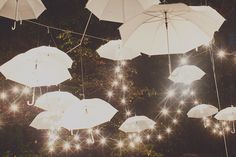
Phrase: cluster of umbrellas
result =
(205, 110)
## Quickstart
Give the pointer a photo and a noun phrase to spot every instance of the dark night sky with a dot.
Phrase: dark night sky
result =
(190, 136)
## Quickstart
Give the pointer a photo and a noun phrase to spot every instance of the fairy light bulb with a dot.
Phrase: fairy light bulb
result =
(120, 76)
(179, 111)
(168, 130)
(26, 91)
(97, 131)
(117, 69)
(51, 149)
(77, 147)
(182, 102)
(103, 141)
(89, 131)
(89, 141)
(66, 146)
(227, 128)
(138, 139)
(123, 101)
(148, 137)
(159, 137)
(115, 83)
(132, 145)
(15, 89)
(221, 54)
(120, 144)
(110, 94)
(175, 121)
(124, 88)
(192, 93)
(196, 102)
(217, 126)
(214, 131)
(220, 133)
(184, 60)
(14, 108)
(76, 137)
(165, 111)
(128, 113)
(3, 96)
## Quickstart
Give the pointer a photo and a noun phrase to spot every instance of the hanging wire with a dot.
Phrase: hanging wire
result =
(217, 95)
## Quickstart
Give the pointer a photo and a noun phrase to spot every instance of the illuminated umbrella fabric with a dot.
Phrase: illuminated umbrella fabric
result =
(29, 71)
(113, 50)
(227, 114)
(21, 9)
(118, 10)
(170, 29)
(57, 101)
(137, 124)
(87, 114)
(46, 120)
(186, 74)
(47, 53)
(202, 111)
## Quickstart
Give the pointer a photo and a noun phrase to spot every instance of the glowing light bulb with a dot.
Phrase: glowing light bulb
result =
(179, 111)
(76, 137)
(221, 54)
(51, 149)
(66, 146)
(196, 102)
(14, 108)
(97, 131)
(115, 83)
(217, 126)
(110, 94)
(220, 133)
(15, 89)
(182, 102)
(165, 111)
(227, 128)
(168, 130)
(148, 137)
(184, 60)
(138, 139)
(132, 145)
(120, 76)
(214, 131)
(89, 131)
(128, 113)
(89, 141)
(103, 141)
(124, 88)
(77, 147)
(123, 101)
(175, 121)
(192, 93)
(159, 137)
(3, 95)
(120, 144)
(117, 69)
(170, 93)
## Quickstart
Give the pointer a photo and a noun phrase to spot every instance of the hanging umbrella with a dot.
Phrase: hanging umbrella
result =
(115, 51)
(57, 101)
(118, 10)
(46, 120)
(202, 111)
(21, 9)
(34, 72)
(87, 114)
(170, 29)
(186, 74)
(137, 124)
(227, 114)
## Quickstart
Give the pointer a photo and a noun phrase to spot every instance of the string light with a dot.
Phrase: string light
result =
(221, 54)
(103, 141)
(3, 95)
(168, 130)
(159, 137)
(148, 137)
(14, 108)
(89, 141)
(110, 94)
(196, 102)
(179, 111)
(123, 101)
(97, 131)
(26, 90)
(51, 149)
(165, 111)
(77, 147)
(183, 60)
(117, 69)
(171, 93)
(175, 121)
(120, 144)
(76, 137)
(132, 145)
(66, 146)
(124, 88)
(128, 113)
(120, 76)
(115, 83)
(15, 89)
(182, 102)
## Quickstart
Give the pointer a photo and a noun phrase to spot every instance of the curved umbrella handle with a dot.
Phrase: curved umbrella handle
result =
(14, 26)
(33, 99)
(233, 131)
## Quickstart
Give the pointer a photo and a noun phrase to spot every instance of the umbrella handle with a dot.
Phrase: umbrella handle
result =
(14, 26)
(33, 99)
(233, 131)
(71, 132)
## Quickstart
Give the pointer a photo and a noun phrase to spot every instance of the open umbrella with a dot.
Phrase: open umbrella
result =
(46, 120)
(186, 74)
(115, 51)
(21, 9)
(137, 124)
(87, 114)
(202, 111)
(118, 10)
(57, 101)
(170, 29)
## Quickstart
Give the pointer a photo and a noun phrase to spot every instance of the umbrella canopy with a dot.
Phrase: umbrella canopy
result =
(46, 120)
(115, 51)
(50, 53)
(227, 114)
(118, 10)
(36, 70)
(186, 74)
(170, 28)
(202, 111)
(87, 114)
(137, 124)
(57, 101)
(21, 9)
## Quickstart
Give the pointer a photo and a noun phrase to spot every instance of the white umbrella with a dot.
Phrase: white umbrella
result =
(21, 9)
(115, 51)
(87, 114)
(118, 10)
(46, 120)
(227, 114)
(202, 111)
(186, 74)
(170, 29)
(57, 101)
(137, 124)
(33, 72)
